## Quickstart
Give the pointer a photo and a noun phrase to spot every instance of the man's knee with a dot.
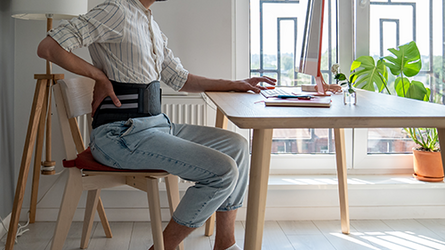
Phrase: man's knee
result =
(238, 143)
(230, 176)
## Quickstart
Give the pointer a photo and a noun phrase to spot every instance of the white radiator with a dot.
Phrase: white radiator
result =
(185, 113)
(185, 110)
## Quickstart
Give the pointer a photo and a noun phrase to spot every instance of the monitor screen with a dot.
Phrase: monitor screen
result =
(310, 59)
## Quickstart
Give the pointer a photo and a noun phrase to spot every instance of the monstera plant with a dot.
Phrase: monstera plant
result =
(404, 63)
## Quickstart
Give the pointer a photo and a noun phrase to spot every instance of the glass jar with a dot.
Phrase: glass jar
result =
(349, 97)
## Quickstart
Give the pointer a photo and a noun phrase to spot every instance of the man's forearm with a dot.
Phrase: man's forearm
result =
(50, 50)
(196, 83)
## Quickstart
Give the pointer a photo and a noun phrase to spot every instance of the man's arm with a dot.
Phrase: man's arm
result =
(50, 50)
(196, 83)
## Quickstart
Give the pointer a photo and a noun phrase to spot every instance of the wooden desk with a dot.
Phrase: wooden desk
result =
(373, 110)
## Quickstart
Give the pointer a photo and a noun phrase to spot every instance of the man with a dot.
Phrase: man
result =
(128, 51)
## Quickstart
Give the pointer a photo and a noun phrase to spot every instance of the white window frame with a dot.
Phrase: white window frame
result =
(380, 163)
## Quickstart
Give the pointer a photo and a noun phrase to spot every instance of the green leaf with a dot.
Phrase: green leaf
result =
(414, 89)
(426, 138)
(367, 75)
(427, 96)
(418, 91)
(340, 77)
(402, 86)
(406, 59)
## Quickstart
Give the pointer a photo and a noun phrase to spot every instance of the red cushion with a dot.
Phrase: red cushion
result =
(86, 161)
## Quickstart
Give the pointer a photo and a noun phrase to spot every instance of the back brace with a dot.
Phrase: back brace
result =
(138, 100)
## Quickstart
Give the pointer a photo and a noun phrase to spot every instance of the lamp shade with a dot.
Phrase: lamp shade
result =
(39, 9)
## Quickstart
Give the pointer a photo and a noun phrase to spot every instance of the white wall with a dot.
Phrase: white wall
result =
(200, 33)
(6, 108)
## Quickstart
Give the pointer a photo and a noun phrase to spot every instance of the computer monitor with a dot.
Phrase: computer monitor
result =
(310, 59)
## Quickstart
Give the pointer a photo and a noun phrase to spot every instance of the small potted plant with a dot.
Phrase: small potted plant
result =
(403, 64)
(349, 94)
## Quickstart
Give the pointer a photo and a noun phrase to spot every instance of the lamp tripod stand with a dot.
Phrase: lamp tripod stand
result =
(39, 117)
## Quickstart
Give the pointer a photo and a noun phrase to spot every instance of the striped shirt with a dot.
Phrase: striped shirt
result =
(124, 42)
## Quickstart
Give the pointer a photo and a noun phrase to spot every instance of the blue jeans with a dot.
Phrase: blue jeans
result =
(215, 159)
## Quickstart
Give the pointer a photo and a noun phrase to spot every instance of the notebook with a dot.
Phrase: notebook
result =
(316, 101)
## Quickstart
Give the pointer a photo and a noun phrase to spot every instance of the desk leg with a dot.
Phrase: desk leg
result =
(441, 132)
(259, 177)
(339, 135)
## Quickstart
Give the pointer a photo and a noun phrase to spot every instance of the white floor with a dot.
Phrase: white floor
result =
(278, 235)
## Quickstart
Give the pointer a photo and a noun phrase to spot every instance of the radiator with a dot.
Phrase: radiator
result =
(185, 110)
(185, 113)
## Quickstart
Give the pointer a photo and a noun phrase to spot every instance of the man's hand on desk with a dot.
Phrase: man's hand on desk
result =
(334, 88)
(252, 84)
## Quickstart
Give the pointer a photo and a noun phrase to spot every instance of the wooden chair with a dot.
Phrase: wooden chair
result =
(73, 99)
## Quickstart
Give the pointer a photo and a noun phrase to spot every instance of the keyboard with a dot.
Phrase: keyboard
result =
(275, 92)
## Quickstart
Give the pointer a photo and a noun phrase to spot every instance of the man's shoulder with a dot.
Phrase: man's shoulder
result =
(114, 3)
(111, 6)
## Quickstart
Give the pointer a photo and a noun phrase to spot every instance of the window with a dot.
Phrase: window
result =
(393, 23)
(276, 28)
(276, 39)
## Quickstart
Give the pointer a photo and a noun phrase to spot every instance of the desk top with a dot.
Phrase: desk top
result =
(372, 110)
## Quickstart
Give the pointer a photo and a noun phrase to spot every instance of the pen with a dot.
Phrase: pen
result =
(305, 97)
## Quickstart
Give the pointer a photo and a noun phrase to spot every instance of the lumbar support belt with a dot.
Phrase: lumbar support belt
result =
(138, 100)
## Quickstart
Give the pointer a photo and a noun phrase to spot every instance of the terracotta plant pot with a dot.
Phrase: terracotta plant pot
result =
(427, 166)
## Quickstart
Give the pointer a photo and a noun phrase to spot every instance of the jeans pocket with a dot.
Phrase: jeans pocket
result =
(131, 127)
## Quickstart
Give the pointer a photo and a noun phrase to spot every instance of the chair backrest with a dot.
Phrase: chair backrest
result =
(78, 95)
(73, 99)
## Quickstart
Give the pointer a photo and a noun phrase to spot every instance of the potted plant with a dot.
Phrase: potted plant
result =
(405, 62)
(349, 94)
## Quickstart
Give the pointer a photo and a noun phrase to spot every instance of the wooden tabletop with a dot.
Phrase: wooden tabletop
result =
(372, 110)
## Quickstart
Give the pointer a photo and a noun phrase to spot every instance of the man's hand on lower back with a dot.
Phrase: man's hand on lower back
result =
(103, 89)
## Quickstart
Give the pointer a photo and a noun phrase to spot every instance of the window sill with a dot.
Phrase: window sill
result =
(405, 181)
(326, 182)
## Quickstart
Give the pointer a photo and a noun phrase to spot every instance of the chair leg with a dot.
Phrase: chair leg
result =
(210, 225)
(103, 219)
(70, 200)
(90, 211)
(155, 213)
(171, 183)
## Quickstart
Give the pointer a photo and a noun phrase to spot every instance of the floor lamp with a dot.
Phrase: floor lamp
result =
(40, 117)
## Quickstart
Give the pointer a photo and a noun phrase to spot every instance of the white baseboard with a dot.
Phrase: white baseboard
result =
(6, 221)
